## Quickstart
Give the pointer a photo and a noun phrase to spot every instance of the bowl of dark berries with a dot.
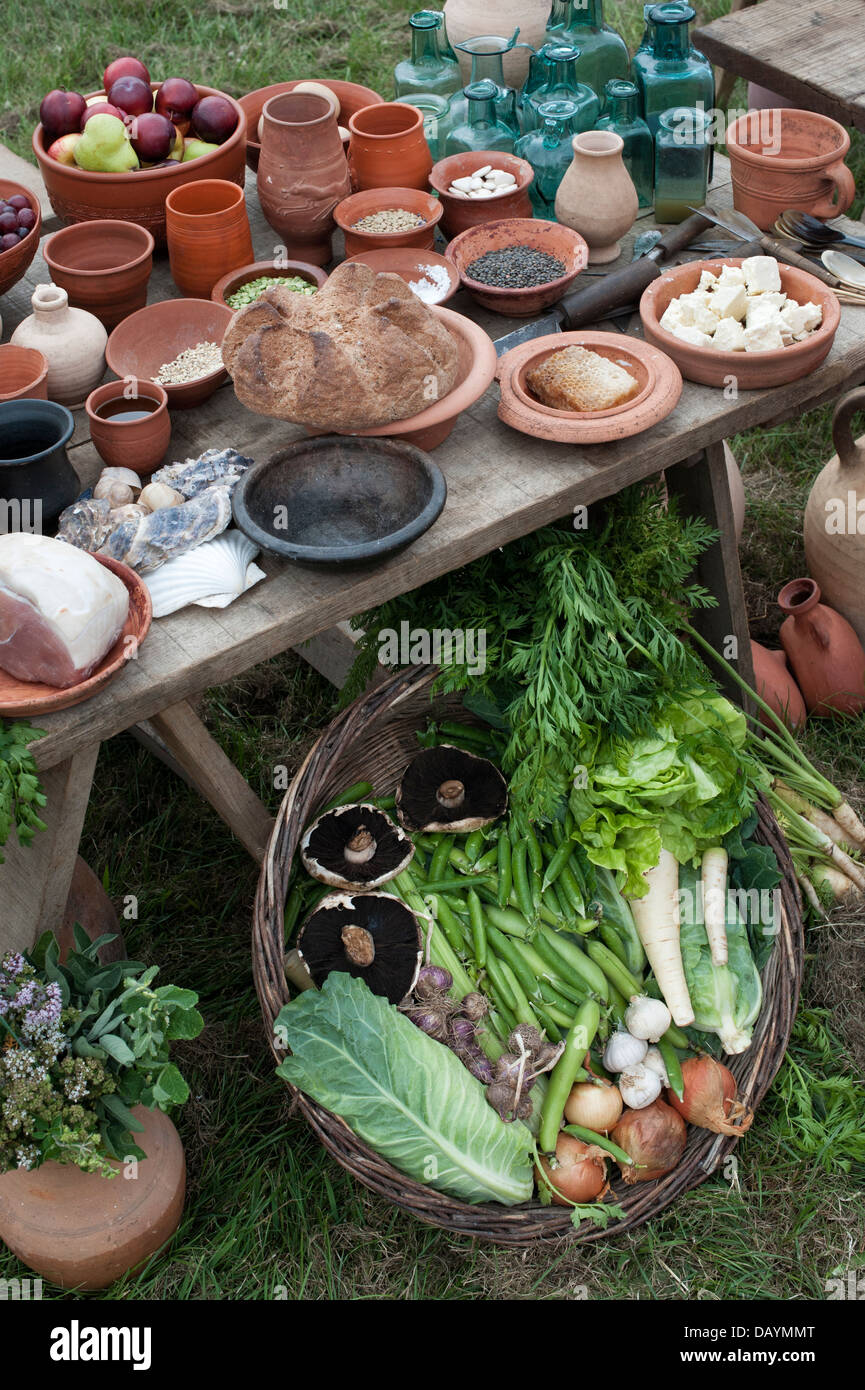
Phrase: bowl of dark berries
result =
(519, 265)
(20, 225)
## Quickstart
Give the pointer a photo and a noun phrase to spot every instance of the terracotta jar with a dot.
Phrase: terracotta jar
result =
(83, 1231)
(388, 147)
(71, 341)
(128, 443)
(776, 686)
(827, 657)
(835, 519)
(466, 19)
(787, 158)
(302, 173)
(23, 372)
(597, 197)
(208, 233)
(103, 266)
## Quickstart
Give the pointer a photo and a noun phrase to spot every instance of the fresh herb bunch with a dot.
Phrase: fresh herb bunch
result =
(20, 789)
(82, 1044)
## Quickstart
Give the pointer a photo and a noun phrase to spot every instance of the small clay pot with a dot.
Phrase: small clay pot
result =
(462, 213)
(597, 197)
(103, 266)
(235, 279)
(350, 95)
(208, 233)
(359, 205)
(152, 336)
(776, 686)
(827, 657)
(388, 147)
(787, 158)
(549, 237)
(23, 372)
(136, 444)
(302, 173)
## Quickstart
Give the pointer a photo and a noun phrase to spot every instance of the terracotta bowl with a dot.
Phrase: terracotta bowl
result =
(413, 265)
(371, 200)
(79, 195)
(141, 344)
(14, 263)
(232, 282)
(19, 699)
(352, 98)
(137, 444)
(462, 213)
(551, 237)
(103, 266)
(23, 373)
(754, 371)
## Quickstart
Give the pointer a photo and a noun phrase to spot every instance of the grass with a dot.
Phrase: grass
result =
(268, 1215)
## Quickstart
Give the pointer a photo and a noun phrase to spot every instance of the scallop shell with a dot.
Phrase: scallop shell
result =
(213, 575)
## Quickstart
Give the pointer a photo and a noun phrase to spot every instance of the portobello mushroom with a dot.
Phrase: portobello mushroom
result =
(355, 847)
(447, 789)
(372, 936)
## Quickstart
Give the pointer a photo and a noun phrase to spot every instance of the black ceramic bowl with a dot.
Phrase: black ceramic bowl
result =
(340, 499)
(35, 473)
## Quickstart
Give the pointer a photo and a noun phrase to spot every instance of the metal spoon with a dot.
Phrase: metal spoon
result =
(818, 233)
(847, 270)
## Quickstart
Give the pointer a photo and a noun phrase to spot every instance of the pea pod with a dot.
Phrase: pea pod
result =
(523, 1011)
(577, 1043)
(616, 973)
(361, 791)
(507, 920)
(569, 891)
(559, 861)
(506, 952)
(479, 936)
(460, 860)
(385, 803)
(589, 1136)
(439, 863)
(456, 885)
(505, 875)
(577, 959)
(474, 845)
(522, 886)
(533, 849)
(673, 1065)
(447, 921)
(487, 861)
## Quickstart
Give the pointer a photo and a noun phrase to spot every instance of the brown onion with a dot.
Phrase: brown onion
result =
(578, 1173)
(594, 1106)
(654, 1138)
(710, 1098)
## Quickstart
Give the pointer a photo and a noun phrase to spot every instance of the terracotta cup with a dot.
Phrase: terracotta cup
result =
(388, 147)
(302, 173)
(208, 234)
(103, 266)
(827, 657)
(783, 159)
(136, 444)
(23, 372)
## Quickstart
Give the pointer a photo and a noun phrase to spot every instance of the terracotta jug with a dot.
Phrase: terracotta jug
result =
(466, 19)
(71, 341)
(776, 686)
(786, 158)
(388, 147)
(83, 1231)
(597, 197)
(302, 173)
(835, 519)
(827, 657)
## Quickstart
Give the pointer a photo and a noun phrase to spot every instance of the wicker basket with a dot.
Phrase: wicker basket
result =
(373, 740)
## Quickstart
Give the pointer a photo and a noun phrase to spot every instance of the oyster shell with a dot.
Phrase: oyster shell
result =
(148, 543)
(222, 466)
(213, 575)
(87, 524)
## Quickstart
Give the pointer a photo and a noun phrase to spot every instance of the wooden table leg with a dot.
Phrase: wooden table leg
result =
(35, 881)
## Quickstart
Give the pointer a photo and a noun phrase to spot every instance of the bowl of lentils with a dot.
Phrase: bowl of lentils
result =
(518, 265)
(380, 217)
(241, 287)
(177, 343)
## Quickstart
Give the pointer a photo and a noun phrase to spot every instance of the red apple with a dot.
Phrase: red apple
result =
(214, 119)
(60, 113)
(175, 99)
(132, 95)
(102, 108)
(152, 137)
(124, 67)
(63, 150)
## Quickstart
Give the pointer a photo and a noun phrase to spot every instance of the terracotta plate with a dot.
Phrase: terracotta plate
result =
(20, 699)
(659, 381)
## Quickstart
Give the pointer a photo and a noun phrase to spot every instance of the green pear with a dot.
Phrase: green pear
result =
(193, 149)
(104, 146)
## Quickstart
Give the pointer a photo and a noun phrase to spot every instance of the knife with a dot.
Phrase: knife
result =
(594, 302)
(743, 229)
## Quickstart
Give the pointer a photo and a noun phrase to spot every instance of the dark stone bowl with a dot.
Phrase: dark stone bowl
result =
(340, 499)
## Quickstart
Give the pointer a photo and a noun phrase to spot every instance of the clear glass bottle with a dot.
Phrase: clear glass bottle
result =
(549, 151)
(487, 52)
(563, 84)
(482, 130)
(603, 51)
(426, 70)
(670, 72)
(682, 152)
(446, 48)
(622, 115)
(436, 120)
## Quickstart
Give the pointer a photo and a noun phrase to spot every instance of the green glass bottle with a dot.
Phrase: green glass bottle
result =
(648, 28)
(426, 70)
(538, 74)
(622, 115)
(482, 130)
(670, 72)
(682, 151)
(549, 150)
(446, 48)
(603, 51)
(558, 20)
(563, 84)
(436, 120)
(487, 52)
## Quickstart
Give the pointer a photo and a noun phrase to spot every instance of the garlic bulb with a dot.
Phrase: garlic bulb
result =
(623, 1051)
(655, 1062)
(647, 1018)
(157, 496)
(639, 1086)
(118, 494)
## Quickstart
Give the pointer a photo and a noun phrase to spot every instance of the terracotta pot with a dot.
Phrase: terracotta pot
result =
(835, 519)
(14, 263)
(136, 444)
(350, 95)
(549, 237)
(83, 1231)
(597, 197)
(388, 147)
(466, 19)
(787, 158)
(81, 195)
(23, 372)
(235, 279)
(827, 657)
(71, 341)
(462, 213)
(141, 344)
(777, 687)
(103, 266)
(90, 907)
(302, 173)
(208, 233)
(359, 205)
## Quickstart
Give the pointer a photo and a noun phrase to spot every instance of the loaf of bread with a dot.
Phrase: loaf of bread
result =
(362, 352)
(577, 379)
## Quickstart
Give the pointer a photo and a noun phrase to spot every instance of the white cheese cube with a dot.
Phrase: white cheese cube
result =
(689, 334)
(730, 301)
(672, 316)
(795, 319)
(777, 298)
(765, 337)
(761, 310)
(729, 336)
(761, 274)
(708, 281)
(814, 315)
(696, 313)
(731, 275)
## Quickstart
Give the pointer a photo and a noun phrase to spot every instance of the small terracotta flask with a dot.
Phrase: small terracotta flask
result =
(71, 341)
(302, 173)
(827, 657)
(776, 686)
(597, 197)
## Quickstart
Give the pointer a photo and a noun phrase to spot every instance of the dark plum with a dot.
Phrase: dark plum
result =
(27, 219)
(60, 113)
(124, 67)
(132, 95)
(18, 202)
(9, 240)
(175, 99)
(9, 221)
(214, 119)
(152, 137)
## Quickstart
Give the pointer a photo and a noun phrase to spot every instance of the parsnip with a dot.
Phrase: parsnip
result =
(657, 918)
(714, 873)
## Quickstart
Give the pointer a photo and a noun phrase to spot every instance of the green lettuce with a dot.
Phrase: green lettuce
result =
(403, 1093)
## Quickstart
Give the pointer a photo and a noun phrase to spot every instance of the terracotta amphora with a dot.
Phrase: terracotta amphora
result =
(835, 519)
(776, 686)
(302, 173)
(597, 197)
(827, 658)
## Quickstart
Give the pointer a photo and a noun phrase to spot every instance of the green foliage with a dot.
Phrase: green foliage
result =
(20, 789)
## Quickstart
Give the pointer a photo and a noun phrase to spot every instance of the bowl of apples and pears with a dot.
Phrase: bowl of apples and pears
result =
(130, 169)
